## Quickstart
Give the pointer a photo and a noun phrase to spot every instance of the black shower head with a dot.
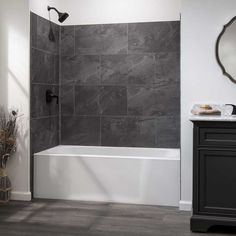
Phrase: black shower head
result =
(61, 16)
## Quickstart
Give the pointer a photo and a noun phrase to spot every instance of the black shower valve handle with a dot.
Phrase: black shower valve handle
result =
(50, 96)
(234, 108)
(57, 98)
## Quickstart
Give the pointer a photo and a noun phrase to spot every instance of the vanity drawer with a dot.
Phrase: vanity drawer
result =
(211, 136)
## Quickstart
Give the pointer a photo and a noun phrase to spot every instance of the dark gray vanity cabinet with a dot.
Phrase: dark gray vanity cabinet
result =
(214, 174)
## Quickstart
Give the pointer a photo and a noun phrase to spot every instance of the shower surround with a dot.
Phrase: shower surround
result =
(119, 84)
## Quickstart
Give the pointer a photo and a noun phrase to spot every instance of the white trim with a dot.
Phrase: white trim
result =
(185, 205)
(21, 196)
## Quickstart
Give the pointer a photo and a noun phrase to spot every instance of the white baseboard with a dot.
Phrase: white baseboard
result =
(21, 196)
(185, 205)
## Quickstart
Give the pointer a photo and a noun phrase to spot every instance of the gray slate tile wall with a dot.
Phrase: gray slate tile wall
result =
(44, 74)
(120, 84)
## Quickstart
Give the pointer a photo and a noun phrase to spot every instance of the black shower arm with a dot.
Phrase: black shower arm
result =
(53, 8)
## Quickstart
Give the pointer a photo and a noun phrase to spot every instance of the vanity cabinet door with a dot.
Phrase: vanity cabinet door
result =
(217, 182)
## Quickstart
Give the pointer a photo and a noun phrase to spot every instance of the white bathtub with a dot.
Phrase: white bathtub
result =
(108, 174)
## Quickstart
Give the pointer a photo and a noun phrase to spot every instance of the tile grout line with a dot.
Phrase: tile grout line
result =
(44, 117)
(99, 98)
(127, 99)
(74, 84)
(74, 99)
(45, 84)
(60, 97)
(44, 51)
(74, 32)
(100, 131)
(128, 38)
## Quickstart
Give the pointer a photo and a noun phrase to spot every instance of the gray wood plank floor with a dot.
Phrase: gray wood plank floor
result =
(69, 218)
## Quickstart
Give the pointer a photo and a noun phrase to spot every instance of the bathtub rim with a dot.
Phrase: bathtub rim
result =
(176, 152)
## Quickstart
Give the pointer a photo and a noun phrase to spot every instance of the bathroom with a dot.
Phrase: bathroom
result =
(104, 90)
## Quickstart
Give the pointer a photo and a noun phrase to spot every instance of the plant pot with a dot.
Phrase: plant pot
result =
(5, 186)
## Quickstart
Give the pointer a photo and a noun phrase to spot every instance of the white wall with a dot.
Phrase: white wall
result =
(111, 11)
(14, 85)
(201, 79)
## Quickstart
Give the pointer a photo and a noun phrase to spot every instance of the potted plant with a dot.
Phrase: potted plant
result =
(8, 134)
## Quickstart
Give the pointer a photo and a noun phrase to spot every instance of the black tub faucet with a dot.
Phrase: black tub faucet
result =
(234, 108)
(50, 96)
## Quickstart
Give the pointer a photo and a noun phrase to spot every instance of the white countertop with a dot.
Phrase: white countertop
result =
(213, 118)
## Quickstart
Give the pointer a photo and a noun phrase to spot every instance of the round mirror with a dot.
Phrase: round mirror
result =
(226, 50)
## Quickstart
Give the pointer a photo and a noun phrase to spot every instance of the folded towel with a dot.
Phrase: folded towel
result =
(202, 111)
